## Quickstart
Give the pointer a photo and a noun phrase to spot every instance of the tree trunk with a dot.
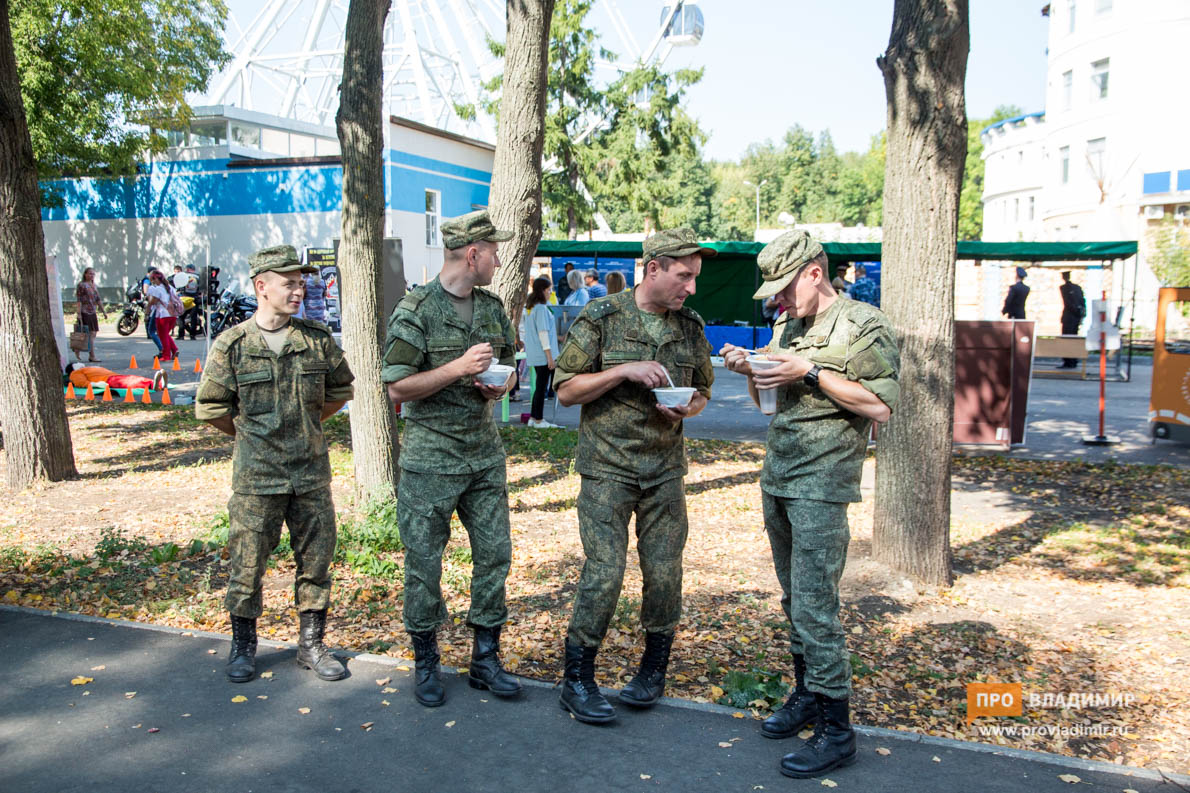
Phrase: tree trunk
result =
(32, 411)
(374, 441)
(924, 71)
(516, 176)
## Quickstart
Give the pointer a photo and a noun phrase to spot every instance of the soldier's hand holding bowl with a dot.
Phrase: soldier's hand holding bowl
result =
(477, 359)
(792, 369)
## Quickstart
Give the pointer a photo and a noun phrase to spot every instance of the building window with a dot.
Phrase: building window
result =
(1031, 201)
(1070, 15)
(433, 216)
(301, 145)
(245, 135)
(1102, 6)
(1016, 210)
(1095, 151)
(1064, 158)
(1067, 90)
(1099, 72)
(208, 133)
(274, 141)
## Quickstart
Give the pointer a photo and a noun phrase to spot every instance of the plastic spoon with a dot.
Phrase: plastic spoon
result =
(670, 379)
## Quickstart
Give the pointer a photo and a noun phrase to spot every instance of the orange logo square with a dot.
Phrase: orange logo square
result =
(993, 699)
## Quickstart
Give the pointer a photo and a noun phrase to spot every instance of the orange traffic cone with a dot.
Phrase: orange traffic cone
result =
(165, 400)
(70, 391)
(90, 397)
(107, 393)
(132, 363)
(128, 395)
(156, 363)
(147, 398)
(197, 366)
(177, 367)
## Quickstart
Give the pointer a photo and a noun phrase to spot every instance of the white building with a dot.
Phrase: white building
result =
(1111, 152)
(238, 181)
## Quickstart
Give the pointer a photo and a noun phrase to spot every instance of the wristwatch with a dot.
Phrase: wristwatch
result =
(811, 377)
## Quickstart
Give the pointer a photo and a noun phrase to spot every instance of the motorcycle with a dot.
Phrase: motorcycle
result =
(231, 309)
(135, 305)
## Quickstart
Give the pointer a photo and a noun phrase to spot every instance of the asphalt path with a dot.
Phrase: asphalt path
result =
(158, 715)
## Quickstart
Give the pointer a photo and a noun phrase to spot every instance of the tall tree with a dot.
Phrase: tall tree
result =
(924, 69)
(516, 174)
(360, 122)
(94, 73)
(32, 413)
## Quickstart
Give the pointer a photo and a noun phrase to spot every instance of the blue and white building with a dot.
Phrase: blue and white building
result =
(239, 180)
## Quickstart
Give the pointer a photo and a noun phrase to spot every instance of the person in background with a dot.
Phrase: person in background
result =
(1018, 293)
(616, 282)
(150, 324)
(1074, 308)
(579, 295)
(840, 282)
(89, 304)
(159, 294)
(315, 300)
(864, 289)
(541, 349)
(563, 289)
(594, 288)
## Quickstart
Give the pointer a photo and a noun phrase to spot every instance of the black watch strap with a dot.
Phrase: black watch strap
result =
(811, 377)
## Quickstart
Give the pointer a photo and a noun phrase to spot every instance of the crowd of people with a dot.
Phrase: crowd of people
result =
(833, 365)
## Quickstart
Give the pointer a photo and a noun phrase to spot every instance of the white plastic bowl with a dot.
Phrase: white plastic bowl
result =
(674, 397)
(496, 375)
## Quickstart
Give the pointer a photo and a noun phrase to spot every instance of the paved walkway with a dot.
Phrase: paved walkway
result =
(159, 716)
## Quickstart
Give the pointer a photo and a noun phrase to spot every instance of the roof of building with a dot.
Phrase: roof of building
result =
(1040, 114)
(441, 133)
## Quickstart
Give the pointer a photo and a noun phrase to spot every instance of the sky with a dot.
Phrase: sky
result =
(770, 64)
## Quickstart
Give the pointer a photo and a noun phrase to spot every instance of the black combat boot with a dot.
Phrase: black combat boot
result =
(312, 653)
(486, 673)
(646, 688)
(798, 711)
(428, 690)
(831, 746)
(241, 661)
(580, 693)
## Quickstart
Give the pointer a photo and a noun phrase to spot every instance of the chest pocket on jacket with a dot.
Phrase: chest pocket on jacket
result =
(443, 351)
(313, 382)
(626, 350)
(682, 371)
(255, 391)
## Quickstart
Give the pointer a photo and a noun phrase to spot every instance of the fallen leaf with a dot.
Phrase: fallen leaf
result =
(136, 726)
(384, 681)
(262, 696)
(1069, 778)
(239, 698)
(646, 776)
(267, 675)
(303, 711)
(154, 729)
(936, 759)
(1129, 790)
(384, 702)
(883, 751)
(81, 681)
(388, 690)
(367, 726)
(450, 724)
(211, 652)
(129, 694)
(829, 783)
(99, 668)
(737, 715)
(185, 715)
(716, 692)
(403, 668)
(724, 744)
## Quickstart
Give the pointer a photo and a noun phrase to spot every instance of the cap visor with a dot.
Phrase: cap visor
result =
(770, 288)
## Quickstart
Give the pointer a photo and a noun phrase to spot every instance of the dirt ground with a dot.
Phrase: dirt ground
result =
(1070, 579)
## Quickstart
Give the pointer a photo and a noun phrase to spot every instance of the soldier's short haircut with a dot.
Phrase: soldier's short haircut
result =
(664, 262)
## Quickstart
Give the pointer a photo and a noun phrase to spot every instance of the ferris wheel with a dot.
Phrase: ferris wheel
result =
(288, 56)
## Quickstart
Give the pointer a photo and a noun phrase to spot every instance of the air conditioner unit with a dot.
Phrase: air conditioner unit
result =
(1154, 212)
(1182, 212)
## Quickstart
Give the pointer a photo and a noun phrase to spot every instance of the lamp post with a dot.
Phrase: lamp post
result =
(763, 182)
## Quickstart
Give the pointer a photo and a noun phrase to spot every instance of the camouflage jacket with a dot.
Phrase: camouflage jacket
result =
(815, 449)
(622, 435)
(452, 431)
(276, 403)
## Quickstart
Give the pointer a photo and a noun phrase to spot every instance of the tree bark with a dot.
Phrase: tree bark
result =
(516, 176)
(32, 411)
(374, 441)
(924, 71)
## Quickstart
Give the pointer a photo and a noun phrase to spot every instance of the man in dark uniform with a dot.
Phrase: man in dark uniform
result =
(440, 337)
(631, 457)
(838, 374)
(1018, 293)
(1074, 308)
(270, 382)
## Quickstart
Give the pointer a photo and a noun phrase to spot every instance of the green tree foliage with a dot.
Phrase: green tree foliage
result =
(95, 73)
(1169, 256)
(971, 197)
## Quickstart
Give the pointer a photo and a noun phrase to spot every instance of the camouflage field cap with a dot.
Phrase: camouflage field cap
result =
(279, 259)
(469, 228)
(782, 259)
(674, 243)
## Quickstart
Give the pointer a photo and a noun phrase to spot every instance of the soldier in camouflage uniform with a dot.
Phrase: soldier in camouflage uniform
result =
(440, 337)
(838, 375)
(632, 458)
(270, 382)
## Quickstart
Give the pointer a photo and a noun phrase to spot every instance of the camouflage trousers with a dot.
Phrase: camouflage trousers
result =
(425, 504)
(604, 509)
(254, 534)
(809, 543)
